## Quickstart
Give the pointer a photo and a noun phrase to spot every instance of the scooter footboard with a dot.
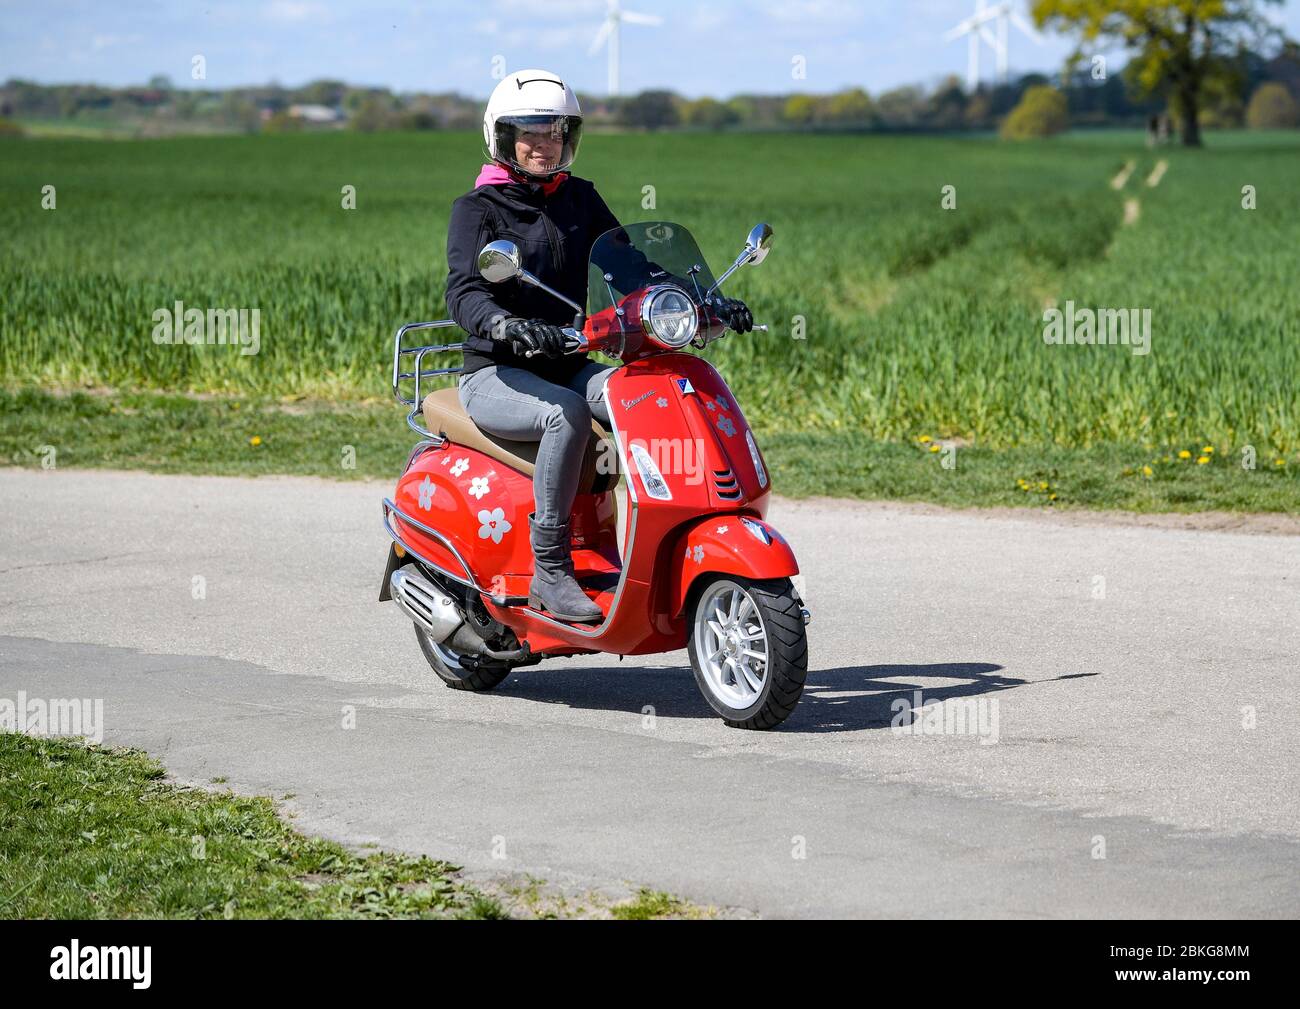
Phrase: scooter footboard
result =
(743, 545)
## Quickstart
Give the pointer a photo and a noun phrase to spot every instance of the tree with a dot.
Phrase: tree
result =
(651, 110)
(709, 113)
(371, 112)
(742, 108)
(1042, 112)
(852, 106)
(1272, 107)
(799, 109)
(282, 122)
(1177, 46)
(978, 110)
(901, 106)
(947, 107)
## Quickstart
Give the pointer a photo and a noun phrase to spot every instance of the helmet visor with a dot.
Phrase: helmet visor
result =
(540, 144)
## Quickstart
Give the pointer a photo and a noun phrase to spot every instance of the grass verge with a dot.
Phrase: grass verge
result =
(92, 832)
(176, 434)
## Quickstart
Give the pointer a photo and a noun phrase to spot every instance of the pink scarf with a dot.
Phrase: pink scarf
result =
(495, 174)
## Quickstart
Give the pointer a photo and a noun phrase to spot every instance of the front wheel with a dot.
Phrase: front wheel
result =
(749, 649)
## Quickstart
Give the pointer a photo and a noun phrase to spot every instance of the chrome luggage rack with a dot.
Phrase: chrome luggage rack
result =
(432, 439)
(418, 372)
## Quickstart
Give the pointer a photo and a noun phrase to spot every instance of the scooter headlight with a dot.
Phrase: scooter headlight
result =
(669, 315)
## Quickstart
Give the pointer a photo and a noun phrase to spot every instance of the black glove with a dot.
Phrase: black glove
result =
(534, 335)
(735, 313)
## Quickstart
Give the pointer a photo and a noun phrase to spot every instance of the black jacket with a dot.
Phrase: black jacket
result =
(554, 235)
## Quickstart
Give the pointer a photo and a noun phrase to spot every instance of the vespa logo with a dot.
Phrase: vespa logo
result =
(629, 403)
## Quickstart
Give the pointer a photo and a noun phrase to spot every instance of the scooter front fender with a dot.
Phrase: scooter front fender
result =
(729, 544)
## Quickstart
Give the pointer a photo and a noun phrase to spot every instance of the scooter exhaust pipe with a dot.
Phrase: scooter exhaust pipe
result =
(433, 610)
(437, 614)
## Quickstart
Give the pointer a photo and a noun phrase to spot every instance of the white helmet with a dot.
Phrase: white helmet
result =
(532, 101)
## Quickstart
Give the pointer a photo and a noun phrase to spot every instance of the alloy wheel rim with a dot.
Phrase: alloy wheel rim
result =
(731, 645)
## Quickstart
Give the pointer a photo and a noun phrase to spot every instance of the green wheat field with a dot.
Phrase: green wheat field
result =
(896, 326)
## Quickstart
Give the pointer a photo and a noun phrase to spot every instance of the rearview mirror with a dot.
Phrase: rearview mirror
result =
(760, 240)
(499, 261)
(754, 252)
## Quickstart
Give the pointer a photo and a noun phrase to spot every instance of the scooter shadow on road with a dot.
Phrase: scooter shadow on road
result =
(843, 699)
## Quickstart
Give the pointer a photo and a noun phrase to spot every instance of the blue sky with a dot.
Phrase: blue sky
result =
(717, 48)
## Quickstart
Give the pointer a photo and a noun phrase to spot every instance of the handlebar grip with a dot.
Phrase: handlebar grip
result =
(579, 342)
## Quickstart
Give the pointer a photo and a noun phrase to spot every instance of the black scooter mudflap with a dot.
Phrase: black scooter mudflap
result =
(394, 562)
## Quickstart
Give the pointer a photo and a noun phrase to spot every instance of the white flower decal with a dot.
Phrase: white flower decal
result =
(446, 459)
(723, 403)
(699, 554)
(710, 405)
(461, 466)
(494, 524)
(688, 553)
(726, 426)
(661, 402)
(723, 529)
(478, 486)
(426, 493)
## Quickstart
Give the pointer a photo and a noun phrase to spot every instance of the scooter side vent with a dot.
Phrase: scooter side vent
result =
(726, 485)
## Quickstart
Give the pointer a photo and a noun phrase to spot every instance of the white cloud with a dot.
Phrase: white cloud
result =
(824, 12)
(112, 41)
(707, 19)
(550, 10)
(292, 10)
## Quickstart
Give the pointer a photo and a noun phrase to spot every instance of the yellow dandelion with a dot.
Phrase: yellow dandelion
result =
(1208, 450)
(924, 439)
(1184, 454)
(255, 440)
(1051, 497)
(1202, 460)
(1042, 485)
(1279, 462)
(934, 448)
(1147, 471)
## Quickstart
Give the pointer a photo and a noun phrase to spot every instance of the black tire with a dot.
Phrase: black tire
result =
(787, 652)
(485, 676)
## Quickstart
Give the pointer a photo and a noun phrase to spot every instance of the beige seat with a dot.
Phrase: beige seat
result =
(444, 415)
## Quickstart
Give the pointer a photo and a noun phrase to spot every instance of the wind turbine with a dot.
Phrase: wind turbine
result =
(976, 28)
(609, 32)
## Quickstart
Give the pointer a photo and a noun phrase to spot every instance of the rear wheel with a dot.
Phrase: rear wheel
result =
(460, 671)
(749, 649)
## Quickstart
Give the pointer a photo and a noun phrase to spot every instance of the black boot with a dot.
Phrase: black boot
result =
(553, 587)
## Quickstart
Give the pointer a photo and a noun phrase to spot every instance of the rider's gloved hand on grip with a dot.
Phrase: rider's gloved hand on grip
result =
(735, 313)
(534, 335)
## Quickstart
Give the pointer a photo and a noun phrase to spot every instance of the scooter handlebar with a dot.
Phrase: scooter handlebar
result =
(577, 343)
(574, 342)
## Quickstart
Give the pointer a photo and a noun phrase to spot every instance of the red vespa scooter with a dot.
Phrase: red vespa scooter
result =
(699, 565)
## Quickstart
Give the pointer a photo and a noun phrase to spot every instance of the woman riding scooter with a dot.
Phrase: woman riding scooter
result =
(517, 382)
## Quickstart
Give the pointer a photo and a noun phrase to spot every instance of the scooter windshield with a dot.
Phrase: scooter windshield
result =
(634, 256)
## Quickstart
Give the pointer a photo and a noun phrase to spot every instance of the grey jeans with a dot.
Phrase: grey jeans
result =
(517, 404)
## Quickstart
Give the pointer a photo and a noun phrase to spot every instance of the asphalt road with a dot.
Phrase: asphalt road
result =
(1144, 683)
